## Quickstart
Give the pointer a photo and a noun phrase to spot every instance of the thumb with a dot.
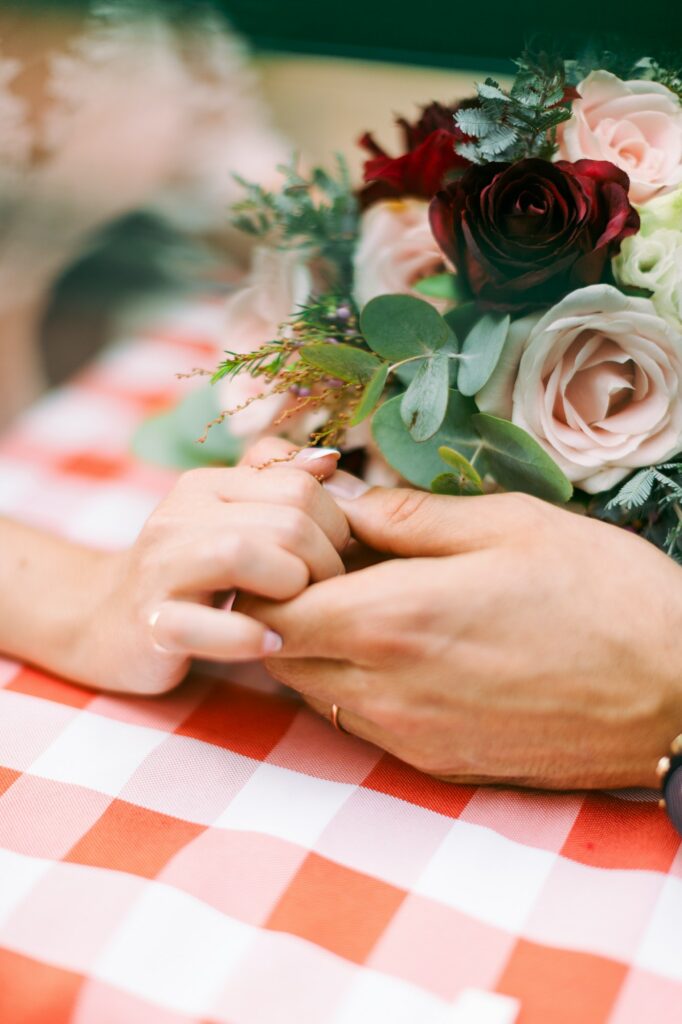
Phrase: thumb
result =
(410, 523)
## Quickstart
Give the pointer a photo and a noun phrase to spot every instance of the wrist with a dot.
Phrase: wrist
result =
(83, 636)
(52, 599)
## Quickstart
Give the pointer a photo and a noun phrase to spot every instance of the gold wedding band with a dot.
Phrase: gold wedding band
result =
(335, 719)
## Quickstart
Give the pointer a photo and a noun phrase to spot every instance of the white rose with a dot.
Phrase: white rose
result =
(597, 381)
(636, 125)
(279, 283)
(396, 250)
(652, 259)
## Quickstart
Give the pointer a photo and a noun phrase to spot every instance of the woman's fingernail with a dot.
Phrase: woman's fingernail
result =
(272, 642)
(343, 485)
(153, 619)
(313, 454)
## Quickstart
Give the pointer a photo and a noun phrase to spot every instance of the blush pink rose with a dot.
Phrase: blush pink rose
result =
(396, 250)
(597, 381)
(636, 125)
(278, 284)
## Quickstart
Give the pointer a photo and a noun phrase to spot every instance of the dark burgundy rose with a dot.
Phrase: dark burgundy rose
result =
(429, 159)
(433, 117)
(525, 234)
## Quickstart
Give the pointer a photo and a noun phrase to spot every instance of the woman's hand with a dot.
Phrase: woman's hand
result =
(132, 621)
(509, 641)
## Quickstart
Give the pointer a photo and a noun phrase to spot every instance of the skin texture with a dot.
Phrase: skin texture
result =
(504, 640)
(133, 620)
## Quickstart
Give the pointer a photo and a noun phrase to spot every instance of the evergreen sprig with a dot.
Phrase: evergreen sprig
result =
(318, 212)
(330, 321)
(668, 74)
(650, 503)
(521, 122)
(666, 69)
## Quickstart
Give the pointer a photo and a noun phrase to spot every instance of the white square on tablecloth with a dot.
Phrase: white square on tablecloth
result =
(18, 481)
(112, 516)
(283, 979)
(582, 907)
(28, 727)
(8, 671)
(285, 803)
(379, 997)
(475, 1006)
(661, 948)
(18, 876)
(174, 950)
(72, 418)
(486, 875)
(96, 752)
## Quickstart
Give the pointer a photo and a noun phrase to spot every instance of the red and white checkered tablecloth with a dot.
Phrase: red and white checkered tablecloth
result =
(222, 855)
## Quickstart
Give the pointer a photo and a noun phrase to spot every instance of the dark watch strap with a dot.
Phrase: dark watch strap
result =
(669, 771)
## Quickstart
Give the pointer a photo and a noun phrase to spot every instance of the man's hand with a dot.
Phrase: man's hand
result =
(507, 640)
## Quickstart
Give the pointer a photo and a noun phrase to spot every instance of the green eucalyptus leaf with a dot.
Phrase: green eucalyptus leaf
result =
(419, 462)
(425, 402)
(466, 479)
(408, 371)
(448, 287)
(345, 362)
(462, 318)
(169, 438)
(456, 485)
(518, 462)
(481, 352)
(400, 326)
(371, 395)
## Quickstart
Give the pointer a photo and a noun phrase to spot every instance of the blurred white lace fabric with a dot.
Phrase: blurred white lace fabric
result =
(139, 112)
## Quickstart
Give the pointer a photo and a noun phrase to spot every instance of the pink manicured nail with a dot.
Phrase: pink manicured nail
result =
(313, 454)
(272, 642)
(345, 486)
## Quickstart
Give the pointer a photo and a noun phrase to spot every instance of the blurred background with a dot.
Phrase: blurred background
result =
(121, 122)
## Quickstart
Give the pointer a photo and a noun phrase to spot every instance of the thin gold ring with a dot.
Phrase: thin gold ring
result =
(335, 718)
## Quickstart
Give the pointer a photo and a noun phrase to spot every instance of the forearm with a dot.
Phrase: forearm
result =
(50, 591)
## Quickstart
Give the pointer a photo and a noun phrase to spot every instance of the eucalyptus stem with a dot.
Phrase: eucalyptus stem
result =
(403, 362)
(479, 449)
(425, 355)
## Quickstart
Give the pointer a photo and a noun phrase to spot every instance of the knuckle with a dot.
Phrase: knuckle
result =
(406, 505)
(532, 515)
(297, 489)
(294, 527)
(231, 551)
(391, 648)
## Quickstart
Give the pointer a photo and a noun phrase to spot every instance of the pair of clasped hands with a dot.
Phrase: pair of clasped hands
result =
(489, 639)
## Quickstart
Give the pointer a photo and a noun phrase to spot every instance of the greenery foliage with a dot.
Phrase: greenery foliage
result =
(398, 361)
(508, 125)
(649, 503)
(317, 213)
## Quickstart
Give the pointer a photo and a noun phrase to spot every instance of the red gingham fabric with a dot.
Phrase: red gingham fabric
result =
(222, 855)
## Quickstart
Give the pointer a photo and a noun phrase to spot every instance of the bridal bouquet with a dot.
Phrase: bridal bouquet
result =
(499, 305)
